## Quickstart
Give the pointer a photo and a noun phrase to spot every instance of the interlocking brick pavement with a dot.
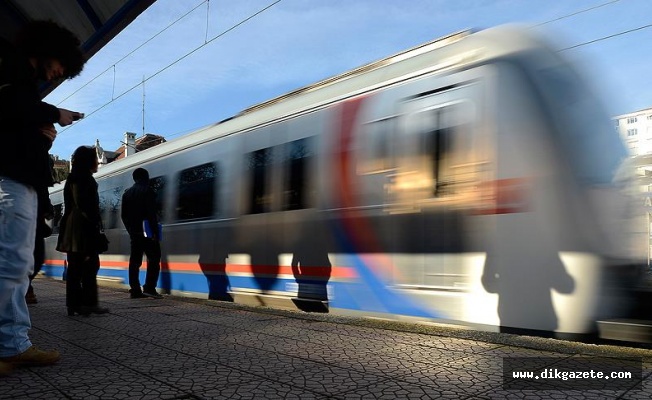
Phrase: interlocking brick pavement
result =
(179, 348)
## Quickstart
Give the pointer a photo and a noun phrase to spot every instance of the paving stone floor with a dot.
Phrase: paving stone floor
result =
(178, 348)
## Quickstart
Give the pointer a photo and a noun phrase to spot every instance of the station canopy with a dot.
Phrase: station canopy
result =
(95, 22)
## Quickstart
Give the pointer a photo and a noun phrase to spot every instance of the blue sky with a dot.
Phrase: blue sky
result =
(298, 42)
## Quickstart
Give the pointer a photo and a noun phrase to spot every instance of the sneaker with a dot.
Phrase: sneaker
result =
(5, 368)
(32, 357)
(30, 297)
(136, 294)
(154, 294)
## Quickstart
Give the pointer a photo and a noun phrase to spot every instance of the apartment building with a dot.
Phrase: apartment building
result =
(636, 131)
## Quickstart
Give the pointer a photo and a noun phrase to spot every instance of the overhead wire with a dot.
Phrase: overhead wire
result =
(576, 13)
(211, 40)
(594, 40)
(206, 42)
(114, 98)
(132, 52)
(606, 37)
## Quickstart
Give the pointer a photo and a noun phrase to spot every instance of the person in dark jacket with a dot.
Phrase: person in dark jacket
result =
(79, 229)
(43, 51)
(139, 205)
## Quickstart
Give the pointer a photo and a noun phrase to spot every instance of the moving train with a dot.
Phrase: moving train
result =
(470, 180)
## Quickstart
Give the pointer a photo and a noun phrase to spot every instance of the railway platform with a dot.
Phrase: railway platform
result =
(180, 348)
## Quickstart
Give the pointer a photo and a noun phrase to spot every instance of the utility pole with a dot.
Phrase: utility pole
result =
(143, 105)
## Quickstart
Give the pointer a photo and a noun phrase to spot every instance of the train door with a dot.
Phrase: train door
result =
(440, 161)
(375, 159)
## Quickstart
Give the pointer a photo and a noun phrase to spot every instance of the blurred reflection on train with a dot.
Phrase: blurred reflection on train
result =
(468, 180)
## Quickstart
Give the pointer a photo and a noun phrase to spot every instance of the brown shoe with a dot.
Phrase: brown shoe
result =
(30, 297)
(5, 368)
(33, 357)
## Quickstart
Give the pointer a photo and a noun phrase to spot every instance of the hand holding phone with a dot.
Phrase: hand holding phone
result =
(67, 117)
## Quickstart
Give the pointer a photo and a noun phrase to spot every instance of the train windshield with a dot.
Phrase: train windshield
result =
(593, 146)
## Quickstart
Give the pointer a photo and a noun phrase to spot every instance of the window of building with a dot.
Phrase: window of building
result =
(632, 132)
(631, 120)
(259, 168)
(196, 192)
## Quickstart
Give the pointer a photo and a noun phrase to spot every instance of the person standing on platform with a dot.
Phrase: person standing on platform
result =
(138, 208)
(45, 52)
(80, 227)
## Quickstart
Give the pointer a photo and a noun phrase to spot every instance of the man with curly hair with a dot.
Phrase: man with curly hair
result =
(42, 52)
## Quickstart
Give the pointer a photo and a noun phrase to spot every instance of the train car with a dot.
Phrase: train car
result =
(469, 180)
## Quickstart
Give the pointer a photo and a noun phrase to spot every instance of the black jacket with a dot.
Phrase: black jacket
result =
(22, 114)
(138, 205)
(81, 221)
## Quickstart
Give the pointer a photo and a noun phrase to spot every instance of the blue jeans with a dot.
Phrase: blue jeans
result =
(17, 227)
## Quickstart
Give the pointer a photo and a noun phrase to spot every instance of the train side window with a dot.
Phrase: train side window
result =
(259, 168)
(158, 185)
(296, 186)
(110, 202)
(196, 192)
(56, 220)
(375, 153)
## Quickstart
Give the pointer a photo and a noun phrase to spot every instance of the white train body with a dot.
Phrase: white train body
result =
(469, 181)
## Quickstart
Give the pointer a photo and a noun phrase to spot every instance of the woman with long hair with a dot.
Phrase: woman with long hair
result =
(80, 227)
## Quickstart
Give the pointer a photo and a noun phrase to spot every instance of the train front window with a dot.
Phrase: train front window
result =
(439, 157)
(591, 143)
(445, 143)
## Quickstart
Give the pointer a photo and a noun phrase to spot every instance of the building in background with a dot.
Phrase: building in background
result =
(130, 145)
(60, 169)
(636, 131)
